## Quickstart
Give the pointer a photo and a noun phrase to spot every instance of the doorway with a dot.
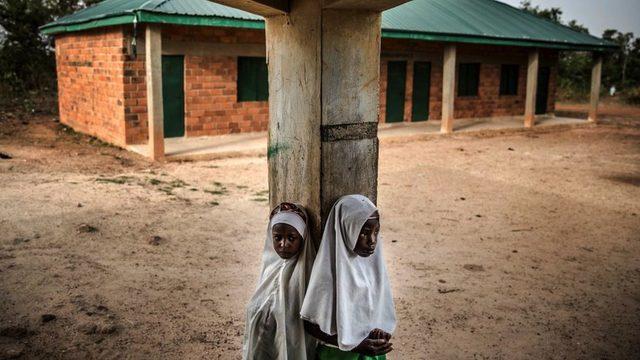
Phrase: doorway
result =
(173, 95)
(542, 93)
(396, 88)
(421, 91)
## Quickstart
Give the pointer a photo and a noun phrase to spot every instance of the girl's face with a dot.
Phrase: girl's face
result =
(368, 238)
(286, 240)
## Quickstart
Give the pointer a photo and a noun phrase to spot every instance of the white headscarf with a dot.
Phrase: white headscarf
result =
(273, 327)
(349, 295)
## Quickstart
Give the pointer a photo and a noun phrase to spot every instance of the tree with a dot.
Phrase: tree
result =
(26, 59)
(633, 64)
(573, 24)
(554, 14)
(620, 59)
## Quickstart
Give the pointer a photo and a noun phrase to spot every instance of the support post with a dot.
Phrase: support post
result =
(596, 78)
(532, 88)
(153, 63)
(324, 69)
(448, 89)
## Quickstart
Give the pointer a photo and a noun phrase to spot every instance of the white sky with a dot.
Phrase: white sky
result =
(596, 15)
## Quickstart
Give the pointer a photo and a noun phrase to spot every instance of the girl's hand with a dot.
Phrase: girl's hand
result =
(379, 334)
(374, 347)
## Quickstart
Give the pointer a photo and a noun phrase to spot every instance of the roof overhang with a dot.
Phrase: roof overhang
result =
(260, 7)
(481, 40)
(374, 5)
(277, 7)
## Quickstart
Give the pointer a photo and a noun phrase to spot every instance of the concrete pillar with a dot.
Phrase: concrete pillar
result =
(532, 88)
(324, 68)
(153, 63)
(408, 97)
(448, 88)
(596, 78)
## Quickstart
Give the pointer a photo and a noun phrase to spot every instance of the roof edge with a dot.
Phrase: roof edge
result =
(487, 40)
(54, 29)
(567, 27)
(146, 16)
(152, 17)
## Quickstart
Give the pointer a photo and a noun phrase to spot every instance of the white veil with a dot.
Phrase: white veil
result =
(278, 298)
(349, 295)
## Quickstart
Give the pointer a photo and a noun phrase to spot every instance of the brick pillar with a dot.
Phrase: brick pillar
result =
(408, 98)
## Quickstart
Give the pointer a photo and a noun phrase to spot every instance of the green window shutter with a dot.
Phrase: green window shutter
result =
(253, 79)
(509, 75)
(468, 79)
(396, 90)
(421, 91)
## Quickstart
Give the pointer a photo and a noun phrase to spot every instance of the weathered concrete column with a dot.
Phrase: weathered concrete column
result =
(448, 88)
(324, 69)
(596, 78)
(153, 63)
(532, 88)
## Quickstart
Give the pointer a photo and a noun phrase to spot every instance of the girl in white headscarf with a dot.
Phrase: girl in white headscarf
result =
(274, 329)
(348, 305)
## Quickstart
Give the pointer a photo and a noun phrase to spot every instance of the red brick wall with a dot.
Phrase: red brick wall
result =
(135, 97)
(211, 99)
(489, 102)
(211, 106)
(90, 67)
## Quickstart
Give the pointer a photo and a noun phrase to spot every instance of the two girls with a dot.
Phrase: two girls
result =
(347, 305)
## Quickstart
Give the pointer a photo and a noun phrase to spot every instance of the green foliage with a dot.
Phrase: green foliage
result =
(27, 64)
(553, 14)
(574, 75)
(616, 68)
(632, 96)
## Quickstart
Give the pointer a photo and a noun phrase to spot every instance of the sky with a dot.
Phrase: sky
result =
(596, 15)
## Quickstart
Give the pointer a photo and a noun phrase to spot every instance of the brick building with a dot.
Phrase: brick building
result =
(440, 60)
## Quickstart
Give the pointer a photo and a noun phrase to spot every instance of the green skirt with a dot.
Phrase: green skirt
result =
(331, 353)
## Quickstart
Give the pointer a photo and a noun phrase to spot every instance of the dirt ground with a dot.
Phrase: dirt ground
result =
(503, 246)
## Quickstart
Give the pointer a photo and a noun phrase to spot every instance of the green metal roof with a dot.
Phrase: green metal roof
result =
(467, 21)
(482, 21)
(181, 12)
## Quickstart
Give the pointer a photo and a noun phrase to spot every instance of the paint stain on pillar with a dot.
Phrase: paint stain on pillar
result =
(274, 149)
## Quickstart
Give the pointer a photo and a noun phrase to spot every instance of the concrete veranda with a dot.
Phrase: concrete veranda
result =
(253, 144)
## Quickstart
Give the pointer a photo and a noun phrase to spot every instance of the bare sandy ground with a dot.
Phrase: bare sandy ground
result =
(519, 246)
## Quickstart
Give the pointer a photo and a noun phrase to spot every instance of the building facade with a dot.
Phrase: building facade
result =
(214, 66)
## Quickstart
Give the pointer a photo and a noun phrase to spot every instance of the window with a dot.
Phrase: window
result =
(253, 82)
(509, 79)
(468, 79)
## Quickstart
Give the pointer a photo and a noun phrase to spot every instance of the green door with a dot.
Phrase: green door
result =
(396, 78)
(421, 87)
(542, 94)
(173, 95)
